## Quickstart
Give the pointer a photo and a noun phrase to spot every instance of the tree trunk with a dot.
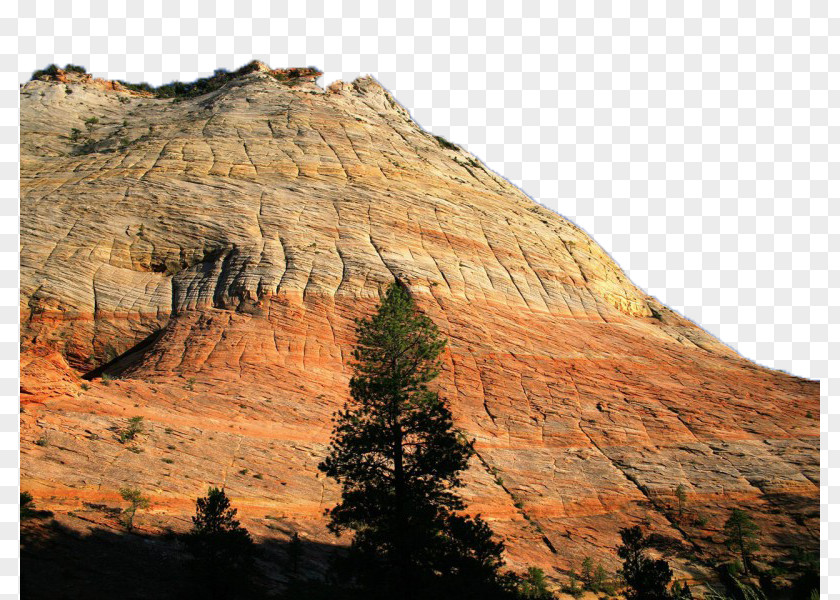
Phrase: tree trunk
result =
(403, 582)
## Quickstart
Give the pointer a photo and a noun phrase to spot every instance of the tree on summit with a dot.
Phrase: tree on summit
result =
(398, 458)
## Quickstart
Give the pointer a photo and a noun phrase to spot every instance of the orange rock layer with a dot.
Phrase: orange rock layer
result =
(203, 261)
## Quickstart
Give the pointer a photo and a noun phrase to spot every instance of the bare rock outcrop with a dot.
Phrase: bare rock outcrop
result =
(201, 260)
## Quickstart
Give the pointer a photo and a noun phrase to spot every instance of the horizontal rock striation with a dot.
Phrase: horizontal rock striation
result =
(200, 261)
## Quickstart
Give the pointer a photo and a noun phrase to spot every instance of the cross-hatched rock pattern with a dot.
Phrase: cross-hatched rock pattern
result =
(201, 262)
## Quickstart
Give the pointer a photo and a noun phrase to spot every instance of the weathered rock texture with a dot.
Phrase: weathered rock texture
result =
(219, 249)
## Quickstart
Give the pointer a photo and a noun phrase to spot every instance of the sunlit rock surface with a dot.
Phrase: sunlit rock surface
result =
(219, 248)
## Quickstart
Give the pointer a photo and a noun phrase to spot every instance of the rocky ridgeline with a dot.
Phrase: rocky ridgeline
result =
(199, 260)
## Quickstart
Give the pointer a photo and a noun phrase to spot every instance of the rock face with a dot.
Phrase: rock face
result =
(200, 261)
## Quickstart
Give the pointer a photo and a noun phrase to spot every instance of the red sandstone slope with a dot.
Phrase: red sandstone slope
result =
(225, 243)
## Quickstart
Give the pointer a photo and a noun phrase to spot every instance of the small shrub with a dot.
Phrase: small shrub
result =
(92, 121)
(258, 476)
(533, 585)
(132, 430)
(75, 134)
(136, 501)
(444, 143)
(573, 588)
(42, 441)
(681, 496)
(594, 577)
(85, 386)
(51, 70)
(190, 384)
(168, 461)
(243, 471)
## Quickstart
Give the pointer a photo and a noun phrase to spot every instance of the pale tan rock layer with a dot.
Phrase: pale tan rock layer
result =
(235, 236)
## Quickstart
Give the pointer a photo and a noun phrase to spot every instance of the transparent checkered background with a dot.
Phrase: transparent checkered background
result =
(692, 140)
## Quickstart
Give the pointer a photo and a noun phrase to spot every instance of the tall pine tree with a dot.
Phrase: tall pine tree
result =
(222, 548)
(398, 458)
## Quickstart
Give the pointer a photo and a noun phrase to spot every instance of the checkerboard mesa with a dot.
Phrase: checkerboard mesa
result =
(198, 261)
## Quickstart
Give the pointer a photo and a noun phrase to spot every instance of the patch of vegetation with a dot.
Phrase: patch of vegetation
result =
(645, 577)
(534, 586)
(27, 506)
(42, 441)
(132, 430)
(136, 500)
(168, 461)
(205, 85)
(573, 588)
(53, 69)
(594, 577)
(444, 143)
(681, 496)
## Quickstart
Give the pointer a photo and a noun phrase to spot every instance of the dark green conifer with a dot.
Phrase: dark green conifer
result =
(398, 458)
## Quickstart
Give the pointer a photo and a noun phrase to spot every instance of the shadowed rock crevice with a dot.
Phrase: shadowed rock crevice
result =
(124, 361)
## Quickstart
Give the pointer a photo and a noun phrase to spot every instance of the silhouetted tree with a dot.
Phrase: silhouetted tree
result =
(741, 536)
(646, 578)
(27, 505)
(398, 458)
(294, 551)
(222, 548)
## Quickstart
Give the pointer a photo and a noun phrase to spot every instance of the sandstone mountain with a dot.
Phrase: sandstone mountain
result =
(199, 261)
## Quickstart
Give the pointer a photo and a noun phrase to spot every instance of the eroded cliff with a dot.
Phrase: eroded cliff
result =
(201, 261)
